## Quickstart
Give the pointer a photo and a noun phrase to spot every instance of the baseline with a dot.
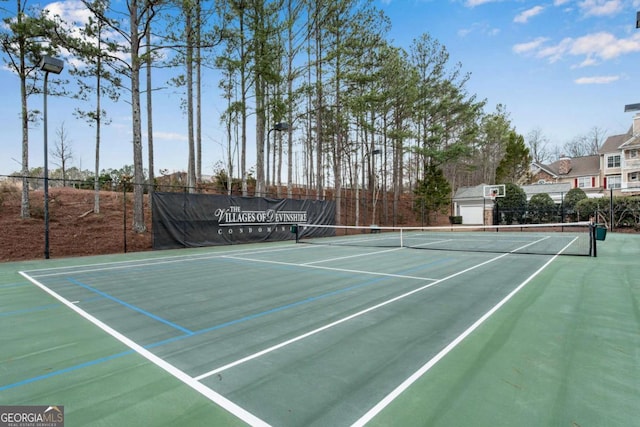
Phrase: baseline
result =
(217, 398)
(369, 415)
(144, 262)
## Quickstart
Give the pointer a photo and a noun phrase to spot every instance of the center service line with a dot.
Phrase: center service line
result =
(343, 320)
(320, 267)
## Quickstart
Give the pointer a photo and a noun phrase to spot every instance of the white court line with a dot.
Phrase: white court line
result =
(320, 267)
(344, 319)
(427, 366)
(338, 322)
(351, 256)
(222, 401)
(119, 265)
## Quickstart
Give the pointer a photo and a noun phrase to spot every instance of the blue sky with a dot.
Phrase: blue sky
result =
(560, 66)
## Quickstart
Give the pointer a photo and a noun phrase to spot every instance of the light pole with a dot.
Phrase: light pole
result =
(47, 64)
(375, 190)
(279, 127)
(373, 153)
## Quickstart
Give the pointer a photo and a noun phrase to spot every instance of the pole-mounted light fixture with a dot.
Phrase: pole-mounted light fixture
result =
(281, 126)
(48, 64)
(278, 127)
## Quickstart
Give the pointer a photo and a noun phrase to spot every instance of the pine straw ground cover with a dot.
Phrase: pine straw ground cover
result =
(74, 228)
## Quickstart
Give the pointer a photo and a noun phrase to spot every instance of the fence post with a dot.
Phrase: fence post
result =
(124, 214)
(611, 217)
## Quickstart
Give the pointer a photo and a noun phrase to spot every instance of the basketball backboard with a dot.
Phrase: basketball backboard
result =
(493, 191)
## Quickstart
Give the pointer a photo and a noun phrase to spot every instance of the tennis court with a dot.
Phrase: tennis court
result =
(289, 334)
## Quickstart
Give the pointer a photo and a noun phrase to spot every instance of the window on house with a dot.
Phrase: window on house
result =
(584, 182)
(614, 182)
(634, 176)
(613, 161)
(633, 154)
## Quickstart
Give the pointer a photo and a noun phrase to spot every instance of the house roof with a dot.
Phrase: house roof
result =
(560, 187)
(614, 142)
(580, 166)
(633, 142)
(476, 192)
(544, 168)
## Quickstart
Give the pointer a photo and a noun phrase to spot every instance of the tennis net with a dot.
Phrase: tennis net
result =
(545, 239)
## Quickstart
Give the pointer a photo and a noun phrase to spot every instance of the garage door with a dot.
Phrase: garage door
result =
(471, 214)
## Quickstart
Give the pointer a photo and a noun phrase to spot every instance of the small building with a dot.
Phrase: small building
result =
(470, 204)
(475, 209)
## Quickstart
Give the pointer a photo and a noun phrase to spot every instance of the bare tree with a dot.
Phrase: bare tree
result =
(595, 139)
(62, 152)
(538, 145)
(585, 145)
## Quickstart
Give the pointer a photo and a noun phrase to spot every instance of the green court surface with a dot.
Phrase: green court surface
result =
(303, 335)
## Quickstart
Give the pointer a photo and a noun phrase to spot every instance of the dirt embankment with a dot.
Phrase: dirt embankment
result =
(74, 228)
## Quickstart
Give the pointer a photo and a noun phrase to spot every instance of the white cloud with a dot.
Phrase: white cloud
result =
(523, 17)
(474, 3)
(555, 53)
(588, 62)
(560, 2)
(479, 28)
(596, 80)
(605, 45)
(529, 46)
(601, 7)
(71, 11)
(601, 45)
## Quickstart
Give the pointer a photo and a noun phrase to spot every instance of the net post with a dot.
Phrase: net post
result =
(401, 238)
(592, 237)
(295, 230)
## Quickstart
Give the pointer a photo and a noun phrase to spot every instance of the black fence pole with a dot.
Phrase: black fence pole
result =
(593, 224)
(124, 215)
(611, 217)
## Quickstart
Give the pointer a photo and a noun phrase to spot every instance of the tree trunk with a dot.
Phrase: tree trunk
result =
(198, 61)
(25, 211)
(138, 172)
(150, 116)
(191, 175)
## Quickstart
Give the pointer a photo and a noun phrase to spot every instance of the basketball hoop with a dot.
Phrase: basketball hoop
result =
(492, 192)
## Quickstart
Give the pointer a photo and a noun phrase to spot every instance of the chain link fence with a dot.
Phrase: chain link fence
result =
(77, 228)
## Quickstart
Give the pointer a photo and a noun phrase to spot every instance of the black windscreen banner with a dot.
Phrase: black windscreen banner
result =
(183, 220)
